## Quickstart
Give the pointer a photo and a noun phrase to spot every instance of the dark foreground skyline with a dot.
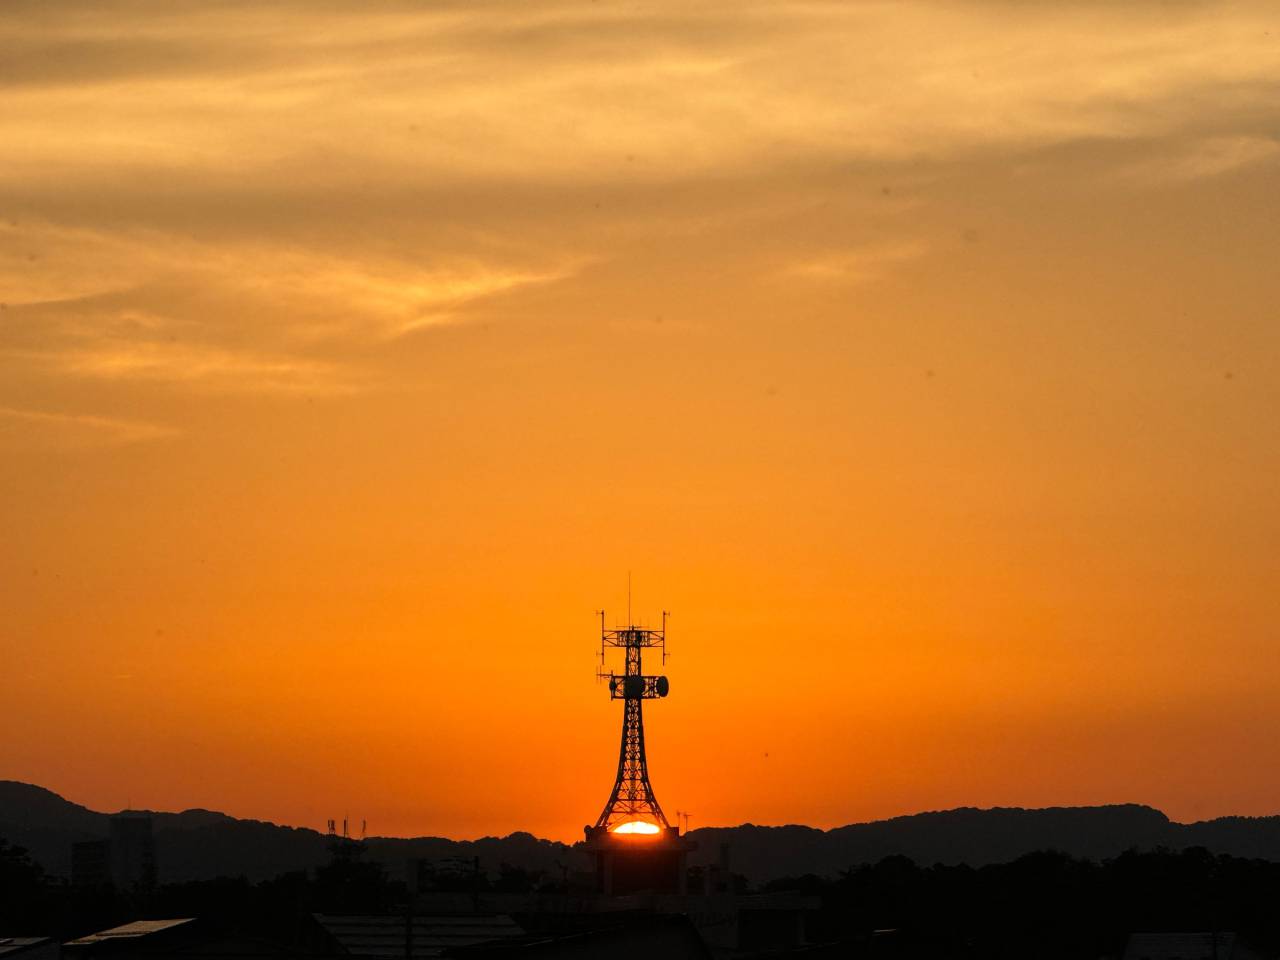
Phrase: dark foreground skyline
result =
(200, 844)
(851, 903)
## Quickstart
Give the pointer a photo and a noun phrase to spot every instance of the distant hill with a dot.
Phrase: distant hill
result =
(199, 844)
(965, 835)
(977, 837)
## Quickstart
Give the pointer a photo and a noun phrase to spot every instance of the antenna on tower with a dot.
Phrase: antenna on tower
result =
(600, 674)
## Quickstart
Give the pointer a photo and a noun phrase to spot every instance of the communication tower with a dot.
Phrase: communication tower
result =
(636, 847)
(632, 807)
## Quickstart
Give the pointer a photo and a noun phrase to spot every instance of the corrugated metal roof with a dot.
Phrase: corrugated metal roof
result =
(1180, 946)
(10, 945)
(667, 937)
(138, 928)
(384, 937)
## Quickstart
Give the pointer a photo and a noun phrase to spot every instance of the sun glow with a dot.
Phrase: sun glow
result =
(637, 826)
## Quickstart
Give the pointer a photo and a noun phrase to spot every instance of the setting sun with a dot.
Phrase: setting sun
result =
(637, 827)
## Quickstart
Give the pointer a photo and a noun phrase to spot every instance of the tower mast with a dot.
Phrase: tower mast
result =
(632, 800)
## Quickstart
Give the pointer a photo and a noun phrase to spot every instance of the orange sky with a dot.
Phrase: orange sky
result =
(923, 358)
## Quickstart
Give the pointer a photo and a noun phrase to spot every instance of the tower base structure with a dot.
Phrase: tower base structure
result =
(640, 863)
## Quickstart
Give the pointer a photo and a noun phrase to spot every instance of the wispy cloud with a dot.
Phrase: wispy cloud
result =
(516, 97)
(380, 297)
(855, 265)
(206, 367)
(45, 430)
(228, 199)
(1208, 157)
(240, 315)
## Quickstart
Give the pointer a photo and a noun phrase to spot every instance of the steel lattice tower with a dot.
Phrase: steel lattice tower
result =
(632, 799)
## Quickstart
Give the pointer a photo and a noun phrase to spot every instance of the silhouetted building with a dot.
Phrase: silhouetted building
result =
(1188, 946)
(630, 863)
(392, 938)
(230, 947)
(132, 852)
(126, 860)
(719, 876)
(91, 863)
(640, 938)
(732, 923)
(174, 940)
(28, 948)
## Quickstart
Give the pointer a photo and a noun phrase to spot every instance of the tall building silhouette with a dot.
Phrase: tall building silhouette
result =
(132, 853)
(126, 859)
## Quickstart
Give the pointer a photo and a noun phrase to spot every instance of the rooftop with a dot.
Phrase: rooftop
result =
(138, 928)
(12, 945)
(1185, 946)
(384, 937)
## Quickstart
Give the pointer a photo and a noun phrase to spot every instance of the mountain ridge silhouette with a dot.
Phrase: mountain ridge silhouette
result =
(199, 844)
